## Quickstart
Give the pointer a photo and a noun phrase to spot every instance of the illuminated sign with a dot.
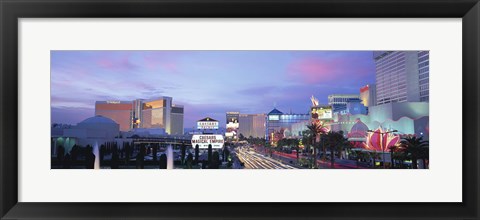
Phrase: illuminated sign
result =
(207, 124)
(203, 140)
(113, 102)
(324, 112)
(232, 125)
(274, 117)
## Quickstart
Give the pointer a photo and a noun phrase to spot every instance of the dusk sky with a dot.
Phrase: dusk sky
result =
(207, 83)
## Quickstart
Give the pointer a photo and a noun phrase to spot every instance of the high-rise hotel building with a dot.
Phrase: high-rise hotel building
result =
(398, 76)
(153, 113)
(119, 111)
(176, 122)
(423, 75)
(252, 125)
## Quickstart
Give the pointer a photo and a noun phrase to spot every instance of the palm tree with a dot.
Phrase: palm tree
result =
(396, 154)
(400, 157)
(197, 151)
(268, 148)
(215, 162)
(415, 149)
(323, 140)
(336, 142)
(425, 155)
(316, 129)
(209, 154)
(306, 139)
(360, 156)
(295, 144)
(281, 143)
(189, 161)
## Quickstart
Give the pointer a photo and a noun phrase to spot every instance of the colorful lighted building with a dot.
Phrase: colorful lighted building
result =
(408, 118)
(279, 125)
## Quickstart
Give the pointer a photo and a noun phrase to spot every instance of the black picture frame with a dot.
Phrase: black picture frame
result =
(12, 10)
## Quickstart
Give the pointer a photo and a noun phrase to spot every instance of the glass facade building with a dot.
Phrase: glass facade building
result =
(156, 113)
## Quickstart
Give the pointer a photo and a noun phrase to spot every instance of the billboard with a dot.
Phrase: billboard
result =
(232, 124)
(232, 119)
(203, 140)
(322, 112)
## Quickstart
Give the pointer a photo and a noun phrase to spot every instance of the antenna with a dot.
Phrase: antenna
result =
(274, 104)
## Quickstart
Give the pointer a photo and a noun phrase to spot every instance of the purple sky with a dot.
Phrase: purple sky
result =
(207, 83)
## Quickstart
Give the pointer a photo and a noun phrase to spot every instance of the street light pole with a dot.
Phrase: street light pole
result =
(383, 154)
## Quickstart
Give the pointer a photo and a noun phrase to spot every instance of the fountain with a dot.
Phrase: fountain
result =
(96, 152)
(169, 157)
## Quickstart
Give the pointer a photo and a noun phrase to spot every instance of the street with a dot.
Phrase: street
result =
(254, 160)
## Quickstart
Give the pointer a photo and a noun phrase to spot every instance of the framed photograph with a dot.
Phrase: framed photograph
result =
(228, 109)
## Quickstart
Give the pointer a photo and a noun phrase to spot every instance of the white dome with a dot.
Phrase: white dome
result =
(98, 119)
(98, 127)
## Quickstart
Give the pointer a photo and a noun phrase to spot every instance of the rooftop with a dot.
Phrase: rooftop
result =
(275, 112)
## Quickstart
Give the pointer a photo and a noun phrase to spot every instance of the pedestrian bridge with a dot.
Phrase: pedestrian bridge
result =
(163, 140)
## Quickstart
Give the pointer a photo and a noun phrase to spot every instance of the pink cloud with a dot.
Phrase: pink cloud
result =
(326, 70)
(153, 62)
(116, 64)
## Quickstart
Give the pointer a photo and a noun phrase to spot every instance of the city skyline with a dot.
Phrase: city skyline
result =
(206, 83)
(369, 109)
